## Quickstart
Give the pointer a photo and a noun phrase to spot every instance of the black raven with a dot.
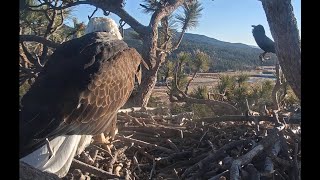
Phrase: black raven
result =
(265, 43)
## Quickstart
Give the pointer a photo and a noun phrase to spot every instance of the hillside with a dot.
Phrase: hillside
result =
(224, 55)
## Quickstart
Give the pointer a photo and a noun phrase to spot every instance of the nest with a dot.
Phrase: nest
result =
(158, 146)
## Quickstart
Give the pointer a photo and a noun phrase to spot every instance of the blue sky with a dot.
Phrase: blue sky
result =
(226, 20)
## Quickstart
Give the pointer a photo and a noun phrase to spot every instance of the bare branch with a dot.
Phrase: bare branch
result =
(39, 40)
(28, 54)
(276, 88)
(89, 17)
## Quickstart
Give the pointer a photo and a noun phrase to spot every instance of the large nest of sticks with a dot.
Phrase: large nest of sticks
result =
(152, 145)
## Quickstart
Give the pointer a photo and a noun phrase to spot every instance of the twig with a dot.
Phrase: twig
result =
(94, 155)
(185, 162)
(295, 160)
(244, 118)
(268, 164)
(117, 169)
(217, 177)
(142, 143)
(141, 150)
(89, 17)
(245, 159)
(136, 162)
(253, 172)
(115, 157)
(214, 156)
(101, 149)
(202, 137)
(175, 157)
(153, 169)
(172, 145)
(276, 88)
(92, 170)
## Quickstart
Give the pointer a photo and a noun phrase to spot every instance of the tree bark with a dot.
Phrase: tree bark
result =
(284, 30)
(39, 40)
(145, 88)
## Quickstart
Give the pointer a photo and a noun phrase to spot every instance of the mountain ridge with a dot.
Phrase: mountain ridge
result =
(224, 55)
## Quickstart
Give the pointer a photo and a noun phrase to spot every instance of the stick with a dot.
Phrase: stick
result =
(92, 170)
(217, 177)
(153, 169)
(202, 137)
(247, 158)
(244, 118)
(175, 156)
(295, 160)
(101, 149)
(142, 143)
(172, 145)
(115, 157)
(214, 156)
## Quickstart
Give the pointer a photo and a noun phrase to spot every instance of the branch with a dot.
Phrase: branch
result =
(39, 40)
(179, 40)
(28, 54)
(137, 26)
(247, 158)
(61, 7)
(76, 164)
(89, 17)
(276, 88)
(189, 82)
(245, 118)
(212, 157)
(142, 143)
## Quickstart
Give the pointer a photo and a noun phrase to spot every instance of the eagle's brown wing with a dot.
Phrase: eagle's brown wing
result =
(79, 91)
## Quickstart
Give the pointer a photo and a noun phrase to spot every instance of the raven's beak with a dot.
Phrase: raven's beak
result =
(253, 26)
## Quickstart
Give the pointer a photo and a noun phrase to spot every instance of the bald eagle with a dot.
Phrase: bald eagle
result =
(77, 95)
(263, 41)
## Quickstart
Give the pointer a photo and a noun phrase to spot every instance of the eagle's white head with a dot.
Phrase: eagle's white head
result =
(102, 24)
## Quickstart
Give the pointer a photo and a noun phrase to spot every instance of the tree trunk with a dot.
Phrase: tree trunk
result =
(283, 27)
(189, 82)
(145, 89)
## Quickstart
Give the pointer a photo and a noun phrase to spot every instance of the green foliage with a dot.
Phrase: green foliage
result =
(182, 79)
(201, 92)
(201, 111)
(242, 79)
(177, 108)
(290, 98)
(226, 82)
(200, 62)
(149, 6)
(190, 16)
(238, 90)
(166, 71)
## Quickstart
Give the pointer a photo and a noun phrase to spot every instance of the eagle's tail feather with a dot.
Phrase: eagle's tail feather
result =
(64, 149)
